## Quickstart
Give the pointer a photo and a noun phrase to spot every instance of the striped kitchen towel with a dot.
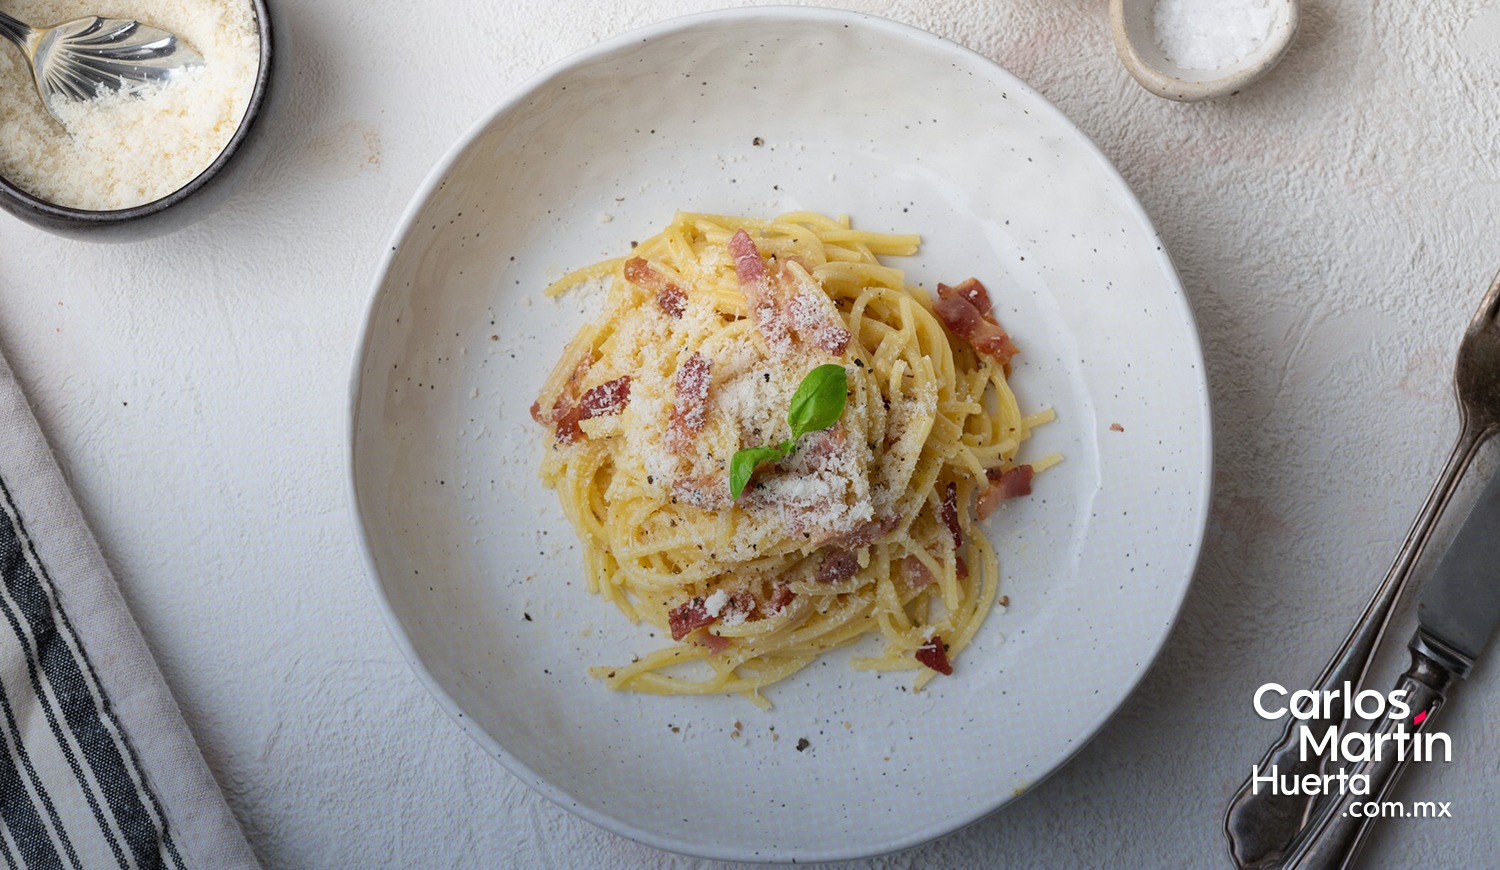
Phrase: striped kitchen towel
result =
(97, 767)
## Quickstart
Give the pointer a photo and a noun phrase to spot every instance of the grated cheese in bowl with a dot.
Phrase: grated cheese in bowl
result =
(131, 148)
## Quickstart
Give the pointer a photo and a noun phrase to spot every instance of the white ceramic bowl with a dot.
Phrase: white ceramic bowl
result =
(759, 111)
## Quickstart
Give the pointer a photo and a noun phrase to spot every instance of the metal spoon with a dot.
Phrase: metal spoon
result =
(81, 59)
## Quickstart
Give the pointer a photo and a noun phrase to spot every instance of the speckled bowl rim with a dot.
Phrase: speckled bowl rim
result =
(792, 15)
(80, 218)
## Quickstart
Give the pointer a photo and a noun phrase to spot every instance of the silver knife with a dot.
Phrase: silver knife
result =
(1457, 614)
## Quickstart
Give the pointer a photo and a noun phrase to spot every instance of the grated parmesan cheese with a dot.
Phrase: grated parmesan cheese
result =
(831, 485)
(129, 148)
(714, 604)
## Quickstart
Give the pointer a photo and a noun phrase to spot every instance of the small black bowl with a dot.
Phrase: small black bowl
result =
(179, 208)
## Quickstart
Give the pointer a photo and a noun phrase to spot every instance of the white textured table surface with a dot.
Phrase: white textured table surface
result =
(1334, 226)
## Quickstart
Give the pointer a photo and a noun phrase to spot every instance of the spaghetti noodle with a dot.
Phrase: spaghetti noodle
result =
(863, 528)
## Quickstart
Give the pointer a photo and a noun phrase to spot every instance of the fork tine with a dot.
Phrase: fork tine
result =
(1489, 307)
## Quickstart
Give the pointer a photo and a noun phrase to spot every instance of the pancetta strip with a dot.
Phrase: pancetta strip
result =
(669, 297)
(974, 292)
(605, 400)
(950, 514)
(815, 319)
(781, 596)
(934, 655)
(966, 322)
(708, 492)
(564, 413)
(915, 572)
(566, 429)
(672, 300)
(838, 566)
(713, 642)
(742, 607)
(688, 617)
(690, 408)
(824, 446)
(1007, 485)
(760, 295)
(867, 533)
(1004, 485)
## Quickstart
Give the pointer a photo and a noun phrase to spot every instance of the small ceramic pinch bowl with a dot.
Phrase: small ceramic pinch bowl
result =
(1133, 24)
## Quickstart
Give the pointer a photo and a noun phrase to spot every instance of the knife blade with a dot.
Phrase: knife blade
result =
(1457, 614)
(1460, 606)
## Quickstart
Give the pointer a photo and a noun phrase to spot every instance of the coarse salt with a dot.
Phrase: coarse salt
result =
(130, 148)
(1211, 34)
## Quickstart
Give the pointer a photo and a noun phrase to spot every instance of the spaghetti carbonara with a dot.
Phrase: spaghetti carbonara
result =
(867, 526)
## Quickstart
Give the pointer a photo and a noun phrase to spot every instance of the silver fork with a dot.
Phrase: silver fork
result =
(1262, 827)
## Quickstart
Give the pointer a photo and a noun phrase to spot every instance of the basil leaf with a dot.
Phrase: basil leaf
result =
(817, 404)
(744, 463)
(819, 400)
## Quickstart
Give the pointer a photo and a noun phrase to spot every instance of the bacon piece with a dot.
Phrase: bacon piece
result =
(1004, 485)
(640, 273)
(741, 607)
(965, 321)
(918, 575)
(838, 566)
(934, 655)
(563, 416)
(965, 310)
(1017, 482)
(867, 533)
(714, 642)
(568, 395)
(814, 317)
(810, 322)
(950, 514)
(605, 400)
(748, 265)
(690, 409)
(672, 300)
(780, 598)
(688, 617)
(974, 292)
(709, 492)
(669, 297)
(566, 430)
(916, 572)
(823, 446)
(755, 283)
